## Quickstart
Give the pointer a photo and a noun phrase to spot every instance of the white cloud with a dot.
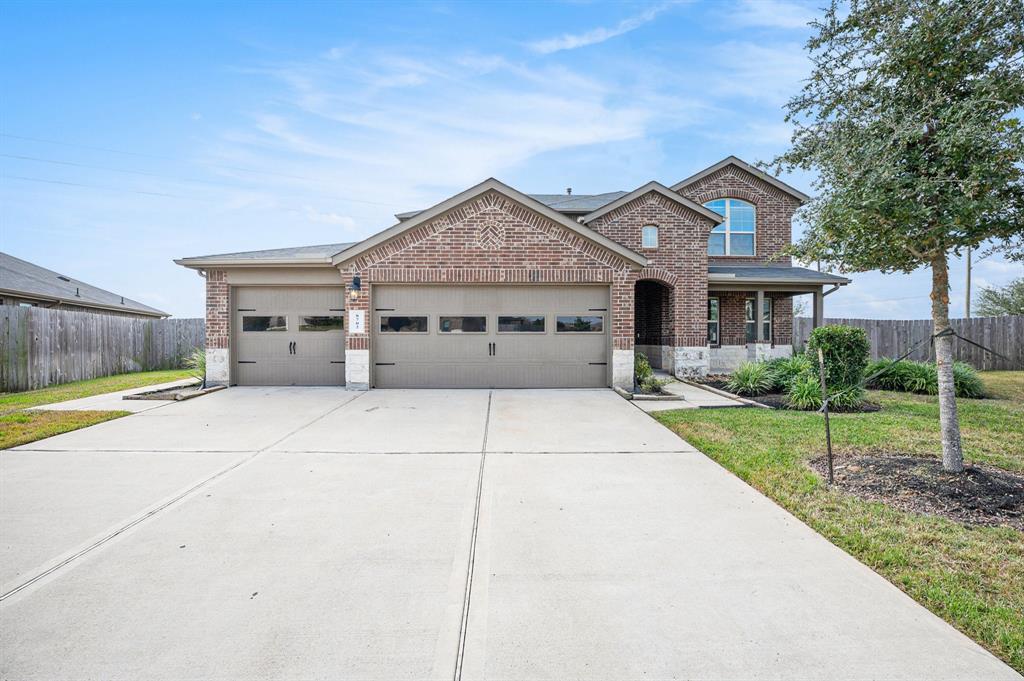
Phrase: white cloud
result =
(344, 221)
(773, 14)
(571, 41)
(347, 124)
(769, 72)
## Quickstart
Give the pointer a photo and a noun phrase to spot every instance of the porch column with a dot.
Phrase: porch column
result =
(818, 317)
(762, 346)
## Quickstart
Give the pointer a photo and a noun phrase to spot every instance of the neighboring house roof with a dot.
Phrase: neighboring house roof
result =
(296, 255)
(21, 278)
(660, 189)
(570, 204)
(778, 274)
(490, 184)
(743, 165)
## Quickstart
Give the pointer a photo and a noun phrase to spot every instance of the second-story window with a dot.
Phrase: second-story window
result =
(650, 236)
(735, 236)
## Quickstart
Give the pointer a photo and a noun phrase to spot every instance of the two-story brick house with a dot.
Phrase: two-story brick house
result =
(495, 288)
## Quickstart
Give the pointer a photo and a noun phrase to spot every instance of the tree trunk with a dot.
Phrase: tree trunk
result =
(949, 423)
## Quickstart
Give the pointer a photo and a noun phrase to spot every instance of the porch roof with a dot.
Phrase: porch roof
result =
(772, 275)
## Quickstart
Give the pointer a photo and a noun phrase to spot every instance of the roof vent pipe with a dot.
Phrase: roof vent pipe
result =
(568, 191)
(77, 294)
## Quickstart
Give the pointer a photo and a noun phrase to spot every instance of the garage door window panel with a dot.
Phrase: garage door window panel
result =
(322, 323)
(521, 323)
(403, 324)
(579, 324)
(455, 324)
(260, 323)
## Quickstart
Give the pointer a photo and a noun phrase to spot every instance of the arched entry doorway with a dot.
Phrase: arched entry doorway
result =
(653, 321)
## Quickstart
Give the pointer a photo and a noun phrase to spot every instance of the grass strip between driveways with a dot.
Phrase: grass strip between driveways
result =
(973, 577)
(19, 426)
(95, 386)
(22, 427)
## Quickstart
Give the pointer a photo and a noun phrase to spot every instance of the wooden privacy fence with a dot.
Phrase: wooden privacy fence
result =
(893, 337)
(41, 346)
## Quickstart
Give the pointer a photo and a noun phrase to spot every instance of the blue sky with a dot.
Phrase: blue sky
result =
(137, 133)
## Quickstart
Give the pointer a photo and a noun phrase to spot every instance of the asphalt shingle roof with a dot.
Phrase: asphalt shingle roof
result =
(563, 203)
(779, 272)
(293, 253)
(21, 276)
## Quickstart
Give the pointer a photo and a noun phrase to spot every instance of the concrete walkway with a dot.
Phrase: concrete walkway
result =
(115, 401)
(319, 533)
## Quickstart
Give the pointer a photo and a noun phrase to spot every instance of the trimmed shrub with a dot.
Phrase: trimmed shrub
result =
(642, 370)
(846, 351)
(785, 370)
(751, 378)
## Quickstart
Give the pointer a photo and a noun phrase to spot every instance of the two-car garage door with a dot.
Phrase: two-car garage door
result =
(490, 336)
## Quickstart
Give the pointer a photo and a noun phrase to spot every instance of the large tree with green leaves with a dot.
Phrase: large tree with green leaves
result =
(910, 119)
(996, 301)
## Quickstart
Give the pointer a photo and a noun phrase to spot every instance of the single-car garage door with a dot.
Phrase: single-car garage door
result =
(289, 335)
(490, 336)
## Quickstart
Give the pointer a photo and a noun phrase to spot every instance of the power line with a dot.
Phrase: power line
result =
(169, 158)
(152, 156)
(95, 186)
(213, 183)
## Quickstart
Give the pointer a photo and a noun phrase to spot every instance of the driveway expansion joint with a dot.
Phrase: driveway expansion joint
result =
(464, 623)
(162, 507)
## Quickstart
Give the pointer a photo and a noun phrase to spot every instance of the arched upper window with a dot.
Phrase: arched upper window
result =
(735, 236)
(649, 236)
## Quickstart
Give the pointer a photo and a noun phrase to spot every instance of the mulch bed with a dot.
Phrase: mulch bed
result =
(778, 400)
(981, 495)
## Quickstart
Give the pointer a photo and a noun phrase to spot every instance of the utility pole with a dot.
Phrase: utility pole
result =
(967, 299)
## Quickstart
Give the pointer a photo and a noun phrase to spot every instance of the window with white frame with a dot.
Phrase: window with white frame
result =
(649, 236)
(713, 321)
(735, 236)
(751, 323)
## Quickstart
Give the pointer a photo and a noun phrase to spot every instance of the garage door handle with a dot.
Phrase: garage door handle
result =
(494, 351)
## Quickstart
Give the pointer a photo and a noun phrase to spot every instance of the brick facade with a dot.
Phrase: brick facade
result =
(732, 317)
(494, 239)
(218, 312)
(773, 208)
(680, 261)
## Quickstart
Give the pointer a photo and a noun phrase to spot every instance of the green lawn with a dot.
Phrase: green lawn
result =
(19, 425)
(96, 386)
(973, 577)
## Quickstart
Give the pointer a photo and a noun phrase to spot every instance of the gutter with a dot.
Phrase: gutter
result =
(837, 282)
(201, 263)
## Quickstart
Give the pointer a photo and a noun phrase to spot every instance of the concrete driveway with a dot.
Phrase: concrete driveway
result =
(318, 533)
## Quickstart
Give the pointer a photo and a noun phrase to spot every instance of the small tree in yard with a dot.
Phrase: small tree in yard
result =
(908, 118)
(996, 301)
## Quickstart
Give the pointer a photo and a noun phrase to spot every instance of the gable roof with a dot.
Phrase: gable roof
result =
(22, 277)
(743, 165)
(660, 189)
(489, 184)
(570, 204)
(296, 255)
